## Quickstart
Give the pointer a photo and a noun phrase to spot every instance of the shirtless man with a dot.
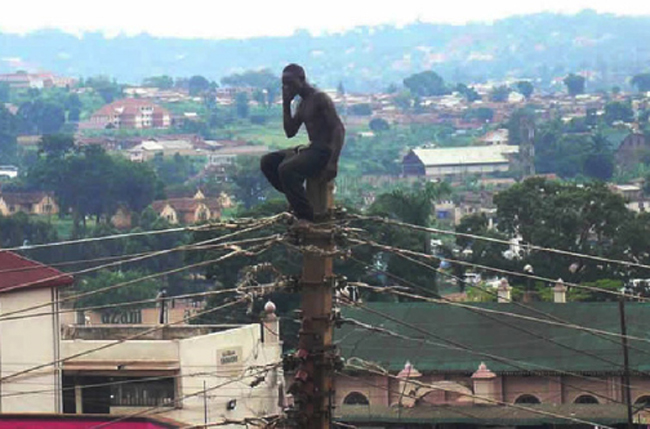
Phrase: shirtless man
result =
(287, 169)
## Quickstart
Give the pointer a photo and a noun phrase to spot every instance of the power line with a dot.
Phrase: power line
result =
(156, 409)
(499, 241)
(497, 270)
(368, 368)
(533, 309)
(258, 225)
(131, 337)
(458, 346)
(214, 225)
(186, 267)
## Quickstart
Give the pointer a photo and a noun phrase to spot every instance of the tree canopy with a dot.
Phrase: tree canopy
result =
(425, 84)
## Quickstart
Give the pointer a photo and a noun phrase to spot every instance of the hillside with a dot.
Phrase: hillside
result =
(543, 46)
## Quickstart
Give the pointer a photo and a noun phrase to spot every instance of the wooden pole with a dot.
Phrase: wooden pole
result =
(315, 374)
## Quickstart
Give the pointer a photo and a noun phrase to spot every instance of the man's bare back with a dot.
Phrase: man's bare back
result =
(287, 170)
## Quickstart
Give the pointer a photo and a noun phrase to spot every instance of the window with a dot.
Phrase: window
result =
(131, 392)
(356, 398)
(585, 399)
(643, 401)
(527, 399)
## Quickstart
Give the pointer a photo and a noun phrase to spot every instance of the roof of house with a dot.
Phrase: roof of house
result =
(489, 336)
(20, 273)
(187, 204)
(22, 198)
(128, 106)
(533, 415)
(493, 154)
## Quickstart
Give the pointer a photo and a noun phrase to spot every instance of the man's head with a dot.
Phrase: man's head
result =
(293, 79)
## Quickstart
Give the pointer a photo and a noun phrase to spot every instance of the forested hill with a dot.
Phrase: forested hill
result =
(541, 46)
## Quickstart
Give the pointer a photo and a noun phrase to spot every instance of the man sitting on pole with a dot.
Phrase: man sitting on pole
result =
(288, 169)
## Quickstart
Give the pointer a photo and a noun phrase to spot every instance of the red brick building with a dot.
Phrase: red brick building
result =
(130, 113)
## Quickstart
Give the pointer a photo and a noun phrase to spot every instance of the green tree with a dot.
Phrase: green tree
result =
(468, 92)
(19, 229)
(378, 125)
(584, 219)
(108, 89)
(361, 109)
(261, 79)
(241, 104)
(56, 145)
(161, 82)
(599, 164)
(500, 94)
(198, 84)
(526, 88)
(618, 111)
(641, 81)
(575, 84)
(138, 291)
(40, 117)
(5, 92)
(425, 84)
(8, 131)
(482, 114)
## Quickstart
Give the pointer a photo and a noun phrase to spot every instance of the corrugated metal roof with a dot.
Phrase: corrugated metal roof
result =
(498, 335)
(494, 154)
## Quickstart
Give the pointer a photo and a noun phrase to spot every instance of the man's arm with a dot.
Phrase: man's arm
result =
(291, 122)
(337, 135)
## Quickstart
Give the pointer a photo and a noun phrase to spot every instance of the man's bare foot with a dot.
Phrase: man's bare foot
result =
(302, 224)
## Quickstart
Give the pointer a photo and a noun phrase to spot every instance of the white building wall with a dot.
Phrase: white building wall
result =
(26, 343)
(219, 360)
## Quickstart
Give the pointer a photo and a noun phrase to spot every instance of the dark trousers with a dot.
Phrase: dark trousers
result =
(287, 170)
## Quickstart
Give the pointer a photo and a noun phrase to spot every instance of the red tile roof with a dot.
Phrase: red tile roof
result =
(129, 107)
(18, 272)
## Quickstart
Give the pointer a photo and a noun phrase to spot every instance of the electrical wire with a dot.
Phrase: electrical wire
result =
(499, 241)
(131, 337)
(209, 226)
(235, 245)
(257, 226)
(385, 373)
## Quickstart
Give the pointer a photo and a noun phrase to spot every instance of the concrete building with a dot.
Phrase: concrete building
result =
(503, 360)
(29, 289)
(130, 113)
(183, 371)
(459, 161)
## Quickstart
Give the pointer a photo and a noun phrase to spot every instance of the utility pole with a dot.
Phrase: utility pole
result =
(312, 388)
(627, 395)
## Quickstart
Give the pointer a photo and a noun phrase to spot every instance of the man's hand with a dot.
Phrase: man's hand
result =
(329, 173)
(288, 94)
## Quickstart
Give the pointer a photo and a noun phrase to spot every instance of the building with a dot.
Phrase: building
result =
(459, 161)
(223, 154)
(182, 371)
(130, 113)
(630, 149)
(9, 171)
(36, 80)
(470, 361)
(188, 210)
(496, 137)
(177, 371)
(31, 290)
(33, 203)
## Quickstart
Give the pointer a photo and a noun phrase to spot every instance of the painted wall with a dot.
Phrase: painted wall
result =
(26, 343)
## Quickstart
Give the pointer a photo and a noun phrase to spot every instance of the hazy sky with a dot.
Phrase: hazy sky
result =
(246, 18)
